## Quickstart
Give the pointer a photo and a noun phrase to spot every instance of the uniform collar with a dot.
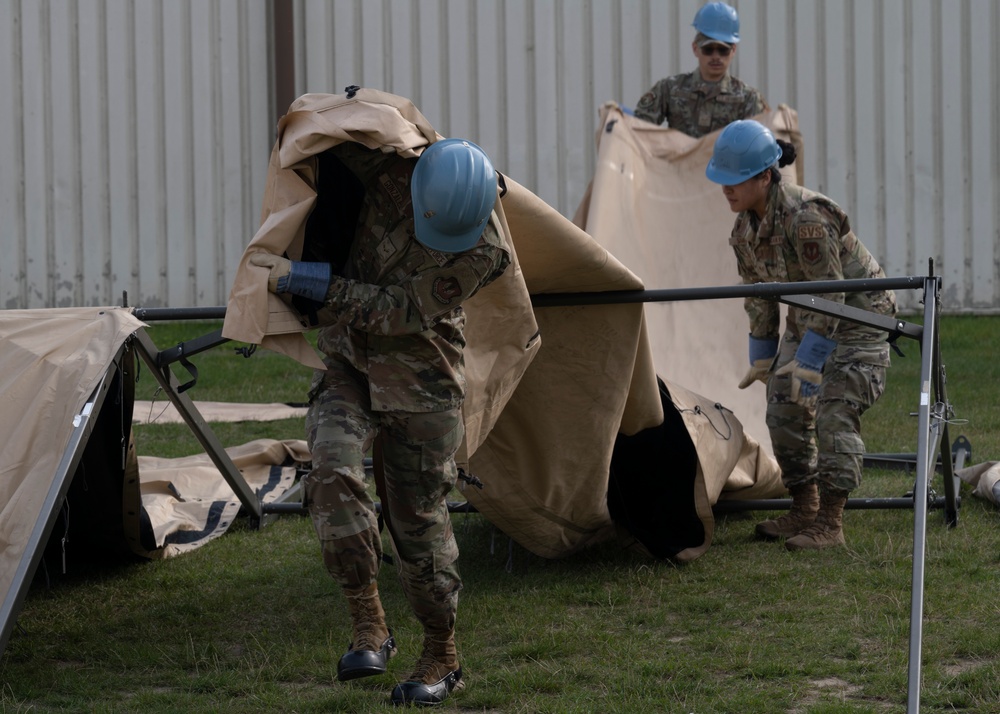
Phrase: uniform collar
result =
(765, 227)
(723, 86)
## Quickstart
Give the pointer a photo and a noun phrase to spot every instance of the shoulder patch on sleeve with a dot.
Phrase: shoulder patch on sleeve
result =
(811, 238)
(446, 289)
(810, 251)
(811, 231)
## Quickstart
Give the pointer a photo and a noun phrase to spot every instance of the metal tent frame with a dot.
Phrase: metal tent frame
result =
(932, 417)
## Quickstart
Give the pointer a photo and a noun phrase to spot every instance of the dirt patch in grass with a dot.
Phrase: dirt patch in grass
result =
(959, 666)
(821, 689)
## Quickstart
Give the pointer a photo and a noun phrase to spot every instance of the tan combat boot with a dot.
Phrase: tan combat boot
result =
(805, 504)
(372, 644)
(827, 531)
(436, 675)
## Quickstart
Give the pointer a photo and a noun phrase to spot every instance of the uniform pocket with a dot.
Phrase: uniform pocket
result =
(439, 451)
(846, 442)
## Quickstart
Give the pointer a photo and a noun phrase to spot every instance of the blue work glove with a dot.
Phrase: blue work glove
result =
(806, 369)
(308, 280)
(762, 352)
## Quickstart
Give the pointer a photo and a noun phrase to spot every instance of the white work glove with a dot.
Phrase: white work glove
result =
(806, 369)
(762, 352)
(279, 267)
(306, 279)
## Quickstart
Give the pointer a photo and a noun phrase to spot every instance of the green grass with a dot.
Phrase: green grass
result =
(252, 623)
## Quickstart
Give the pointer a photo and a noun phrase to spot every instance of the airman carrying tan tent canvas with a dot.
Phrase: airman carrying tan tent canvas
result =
(550, 389)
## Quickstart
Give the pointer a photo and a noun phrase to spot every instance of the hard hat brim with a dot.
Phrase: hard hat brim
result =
(724, 178)
(444, 242)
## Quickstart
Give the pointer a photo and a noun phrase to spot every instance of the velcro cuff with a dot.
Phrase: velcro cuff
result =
(762, 348)
(814, 351)
(309, 280)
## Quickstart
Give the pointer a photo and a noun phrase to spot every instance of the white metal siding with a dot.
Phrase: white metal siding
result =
(134, 140)
(136, 134)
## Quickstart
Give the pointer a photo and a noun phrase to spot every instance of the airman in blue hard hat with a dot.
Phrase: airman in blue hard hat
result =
(411, 239)
(823, 372)
(708, 98)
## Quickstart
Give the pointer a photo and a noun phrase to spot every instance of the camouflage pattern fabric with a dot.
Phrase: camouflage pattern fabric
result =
(805, 236)
(395, 313)
(391, 330)
(822, 444)
(696, 107)
(418, 453)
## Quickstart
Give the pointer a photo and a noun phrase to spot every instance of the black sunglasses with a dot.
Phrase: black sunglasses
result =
(721, 50)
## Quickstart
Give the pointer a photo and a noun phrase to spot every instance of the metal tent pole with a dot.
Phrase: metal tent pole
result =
(199, 427)
(928, 411)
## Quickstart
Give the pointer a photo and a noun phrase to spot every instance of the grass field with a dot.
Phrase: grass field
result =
(252, 623)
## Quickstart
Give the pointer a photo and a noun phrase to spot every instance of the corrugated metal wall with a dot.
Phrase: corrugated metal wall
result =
(139, 131)
(134, 138)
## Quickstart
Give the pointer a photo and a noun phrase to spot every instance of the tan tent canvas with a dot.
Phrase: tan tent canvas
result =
(543, 415)
(57, 373)
(651, 205)
(72, 489)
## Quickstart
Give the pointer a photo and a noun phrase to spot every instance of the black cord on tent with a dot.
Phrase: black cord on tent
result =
(722, 410)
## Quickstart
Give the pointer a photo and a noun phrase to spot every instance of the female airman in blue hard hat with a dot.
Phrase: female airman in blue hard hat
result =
(822, 373)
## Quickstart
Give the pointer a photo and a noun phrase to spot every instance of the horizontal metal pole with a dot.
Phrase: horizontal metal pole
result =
(299, 509)
(153, 314)
(783, 504)
(839, 310)
(758, 290)
(765, 504)
(190, 348)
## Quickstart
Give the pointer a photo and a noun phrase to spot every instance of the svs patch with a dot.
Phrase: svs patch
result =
(811, 231)
(445, 290)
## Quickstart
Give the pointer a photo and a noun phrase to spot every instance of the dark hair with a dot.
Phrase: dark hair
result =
(787, 157)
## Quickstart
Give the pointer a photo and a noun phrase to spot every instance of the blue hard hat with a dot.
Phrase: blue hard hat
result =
(718, 21)
(744, 149)
(454, 189)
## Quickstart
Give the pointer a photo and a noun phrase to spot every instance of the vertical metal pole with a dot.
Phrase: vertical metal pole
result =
(924, 467)
(283, 36)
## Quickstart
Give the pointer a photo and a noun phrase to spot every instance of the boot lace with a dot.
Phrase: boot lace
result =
(368, 635)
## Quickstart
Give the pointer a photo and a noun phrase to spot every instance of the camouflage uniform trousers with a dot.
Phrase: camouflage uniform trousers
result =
(822, 444)
(418, 454)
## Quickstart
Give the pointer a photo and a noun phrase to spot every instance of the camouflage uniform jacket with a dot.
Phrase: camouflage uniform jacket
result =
(805, 236)
(697, 107)
(395, 314)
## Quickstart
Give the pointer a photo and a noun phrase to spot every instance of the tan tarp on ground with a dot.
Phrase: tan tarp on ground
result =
(163, 411)
(189, 503)
(984, 479)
